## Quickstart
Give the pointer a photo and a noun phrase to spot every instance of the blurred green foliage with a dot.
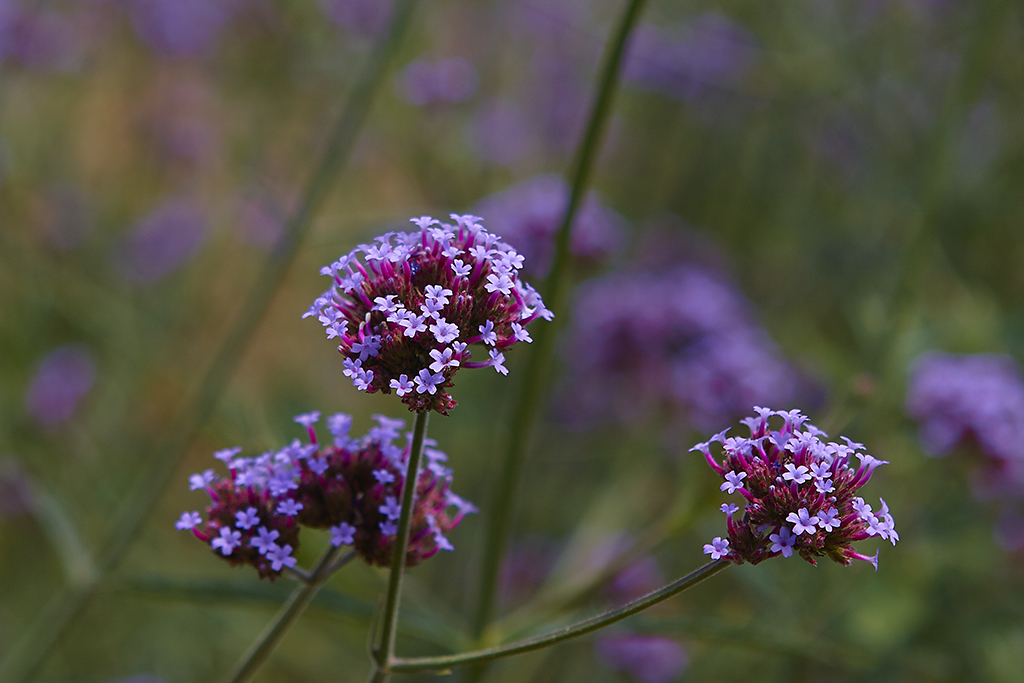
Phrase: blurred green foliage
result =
(861, 180)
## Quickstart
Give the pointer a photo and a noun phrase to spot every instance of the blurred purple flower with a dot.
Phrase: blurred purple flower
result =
(40, 39)
(529, 214)
(63, 377)
(709, 53)
(647, 659)
(163, 241)
(525, 567)
(683, 337)
(636, 581)
(362, 17)
(431, 82)
(180, 28)
(500, 134)
(973, 398)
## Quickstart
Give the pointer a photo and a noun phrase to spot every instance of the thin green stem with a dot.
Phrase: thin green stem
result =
(524, 413)
(291, 610)
(28, 654)
(389, 630)
(424, 664)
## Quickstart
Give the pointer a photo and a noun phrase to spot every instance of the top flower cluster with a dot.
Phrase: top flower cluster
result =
(406, 316)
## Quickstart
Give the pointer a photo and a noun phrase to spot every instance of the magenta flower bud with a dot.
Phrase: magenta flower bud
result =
(799, 493)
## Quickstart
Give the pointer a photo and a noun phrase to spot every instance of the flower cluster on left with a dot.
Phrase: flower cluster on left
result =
(351, 487)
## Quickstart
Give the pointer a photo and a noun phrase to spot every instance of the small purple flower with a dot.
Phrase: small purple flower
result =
(733, 481)
(289, 507)
(802, 522)
(717, 549)
(307, 420)
(227, 541)
(383, 476)
(247, 519)
(62, 379)
(201, 480)
(391, 508)
(281, 556)
(188, 520)
(388, 528)
(782, 542)
(264, 540)
(342, 534)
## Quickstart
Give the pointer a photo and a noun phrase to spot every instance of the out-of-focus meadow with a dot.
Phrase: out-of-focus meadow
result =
(794, 202)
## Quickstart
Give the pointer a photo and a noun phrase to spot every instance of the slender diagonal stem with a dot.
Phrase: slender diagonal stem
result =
(444, 662)
(389, 629)
(27, 655)
(524, 413)
(291, 610)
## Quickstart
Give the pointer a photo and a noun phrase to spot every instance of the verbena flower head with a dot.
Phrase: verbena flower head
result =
(972, 399)
(647, 658)
(406, 314)
(797, 493)
(351, 487)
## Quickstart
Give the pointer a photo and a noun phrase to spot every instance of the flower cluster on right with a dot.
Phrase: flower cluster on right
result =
(798, 492)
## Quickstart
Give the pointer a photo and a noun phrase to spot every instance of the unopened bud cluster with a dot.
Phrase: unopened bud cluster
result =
(798, 492)
(406, 315)
(351, 487)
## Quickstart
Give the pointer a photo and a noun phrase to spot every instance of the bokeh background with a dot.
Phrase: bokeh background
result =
(794, 203)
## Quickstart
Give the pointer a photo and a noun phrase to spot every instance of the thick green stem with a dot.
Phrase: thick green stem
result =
(30, 651)
(291, 610)
(389, 628)
(524, 413)
(436, 664)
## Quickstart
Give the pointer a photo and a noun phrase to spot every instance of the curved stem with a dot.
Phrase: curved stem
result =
(291, 610)
(389, 630)
(554, 292)
(423, 664)
(30, 651)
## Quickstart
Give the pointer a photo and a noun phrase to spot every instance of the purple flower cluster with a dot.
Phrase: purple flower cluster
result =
(798, 491)
(681, 337)
(530, 213)
(181, 28)
(711, 52)
(352, 488)
(406, 317)
(975, 399)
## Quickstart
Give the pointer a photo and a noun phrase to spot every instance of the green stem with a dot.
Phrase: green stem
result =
(389, 630)
(424, 664)
(291, 610)
(524, 413)
(46, 630)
